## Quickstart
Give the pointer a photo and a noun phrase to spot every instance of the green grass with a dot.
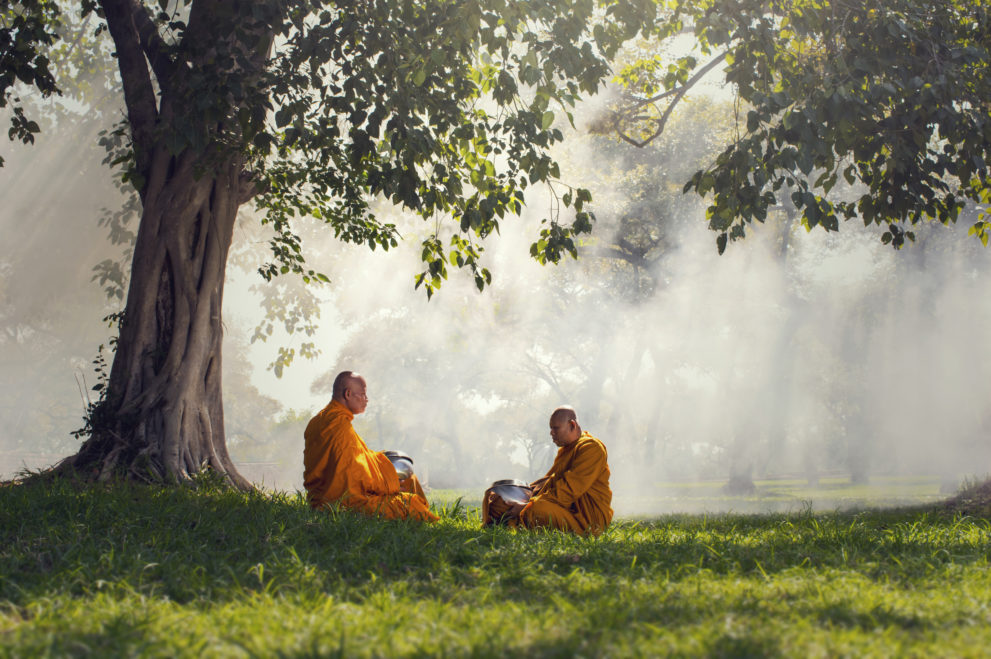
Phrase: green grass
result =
(792, 495)
(126, 570)
(780, 495)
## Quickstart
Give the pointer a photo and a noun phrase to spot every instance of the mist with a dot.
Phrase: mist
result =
(793, 355)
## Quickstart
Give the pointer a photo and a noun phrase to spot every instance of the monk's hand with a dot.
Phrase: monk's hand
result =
(536, 486)
(515, 509)
(499, 508)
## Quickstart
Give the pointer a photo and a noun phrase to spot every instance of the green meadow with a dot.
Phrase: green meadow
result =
(777, 495)
(127, 570)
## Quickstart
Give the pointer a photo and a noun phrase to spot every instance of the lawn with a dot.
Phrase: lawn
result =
(777, 495)
(133, 570)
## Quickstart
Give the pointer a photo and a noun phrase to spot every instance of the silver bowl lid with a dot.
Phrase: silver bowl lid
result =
(513, 482)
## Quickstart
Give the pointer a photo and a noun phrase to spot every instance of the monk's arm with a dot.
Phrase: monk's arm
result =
(539, 483)
(588, 464)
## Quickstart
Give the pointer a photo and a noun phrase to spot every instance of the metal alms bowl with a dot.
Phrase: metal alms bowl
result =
(402, 462)
(512, 490)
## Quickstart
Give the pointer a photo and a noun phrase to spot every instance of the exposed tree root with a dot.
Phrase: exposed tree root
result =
(138, 471)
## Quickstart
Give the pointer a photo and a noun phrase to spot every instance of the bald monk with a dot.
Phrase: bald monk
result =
(339, 468)
(573, 496)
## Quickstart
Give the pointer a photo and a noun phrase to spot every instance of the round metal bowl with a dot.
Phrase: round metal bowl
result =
(512, 490)
(402, 462)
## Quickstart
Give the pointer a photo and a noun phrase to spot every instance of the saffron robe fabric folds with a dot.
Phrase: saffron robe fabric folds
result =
(338, 467)
(573, 496)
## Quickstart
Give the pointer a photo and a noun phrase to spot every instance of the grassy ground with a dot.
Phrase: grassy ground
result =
(779, 495)
(793, 495)
(128, 570)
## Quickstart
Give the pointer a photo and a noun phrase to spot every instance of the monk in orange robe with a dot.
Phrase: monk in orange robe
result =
(573, 496)
(338, 467)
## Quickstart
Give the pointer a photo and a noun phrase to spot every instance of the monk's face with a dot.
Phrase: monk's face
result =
(356, 396)
(564, 431)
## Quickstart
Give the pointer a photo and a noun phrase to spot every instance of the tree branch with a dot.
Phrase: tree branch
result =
(139, 94)
(537, 369)
(250, 184)
(678, 92)
(153, 45)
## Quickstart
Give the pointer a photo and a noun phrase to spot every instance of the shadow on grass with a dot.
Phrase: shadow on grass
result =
(603, 642)
(209, 543)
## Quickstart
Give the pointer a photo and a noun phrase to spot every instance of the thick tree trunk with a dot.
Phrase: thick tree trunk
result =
(162, 416)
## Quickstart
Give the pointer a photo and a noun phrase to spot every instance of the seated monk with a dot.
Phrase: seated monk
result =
(339, 468)
(573, 496)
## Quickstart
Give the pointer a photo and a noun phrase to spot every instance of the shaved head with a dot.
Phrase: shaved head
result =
(350, 390)
(565, 430)
(564, 414)
(343, 380)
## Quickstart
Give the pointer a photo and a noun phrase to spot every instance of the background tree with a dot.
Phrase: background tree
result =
(307, 109)
(890, 96)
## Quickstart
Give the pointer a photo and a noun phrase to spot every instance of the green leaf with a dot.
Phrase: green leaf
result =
(721, 243)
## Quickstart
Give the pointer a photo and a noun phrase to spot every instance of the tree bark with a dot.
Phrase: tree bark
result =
(162, 415)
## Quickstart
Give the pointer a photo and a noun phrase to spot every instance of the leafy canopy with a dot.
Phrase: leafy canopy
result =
(445, 107)
(27, 29)
(890, 96)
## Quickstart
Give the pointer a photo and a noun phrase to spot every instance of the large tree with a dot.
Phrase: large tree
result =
(305, 108)
(890, 95)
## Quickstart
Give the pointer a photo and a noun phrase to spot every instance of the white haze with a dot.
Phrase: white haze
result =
(842, 356)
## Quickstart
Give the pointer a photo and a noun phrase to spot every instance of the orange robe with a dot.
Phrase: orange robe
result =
(338, 467)
(574, 495)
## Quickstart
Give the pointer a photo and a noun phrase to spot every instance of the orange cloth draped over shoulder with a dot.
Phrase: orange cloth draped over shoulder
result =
(338, 467)
(574, 495)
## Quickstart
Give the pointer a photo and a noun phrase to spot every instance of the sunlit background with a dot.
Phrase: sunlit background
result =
(797, 369)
